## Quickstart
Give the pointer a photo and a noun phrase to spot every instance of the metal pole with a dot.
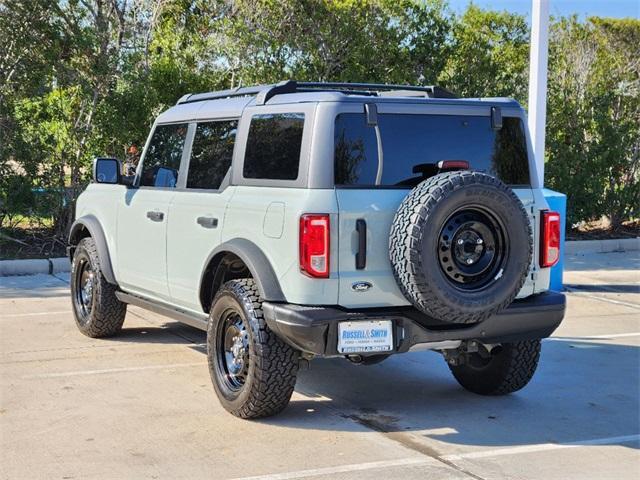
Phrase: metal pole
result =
(539, 53)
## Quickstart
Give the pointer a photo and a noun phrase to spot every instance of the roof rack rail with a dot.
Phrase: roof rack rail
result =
(264, 92)
(433, 91)
(232, 92)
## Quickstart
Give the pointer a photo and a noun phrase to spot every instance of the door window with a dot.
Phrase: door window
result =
(211, 154)
(161, 162)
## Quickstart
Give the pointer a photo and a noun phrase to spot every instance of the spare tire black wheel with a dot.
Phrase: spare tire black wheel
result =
(461, 246)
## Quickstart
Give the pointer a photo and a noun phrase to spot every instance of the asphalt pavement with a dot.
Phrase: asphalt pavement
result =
(141, 405)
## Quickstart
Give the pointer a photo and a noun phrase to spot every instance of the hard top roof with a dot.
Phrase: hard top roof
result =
(231, 103)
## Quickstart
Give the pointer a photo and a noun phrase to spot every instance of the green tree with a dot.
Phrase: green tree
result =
(491, 51)
(347, 40)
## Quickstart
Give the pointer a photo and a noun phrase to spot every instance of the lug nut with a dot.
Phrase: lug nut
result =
(460, 241)
(479, 241)
(469, 261)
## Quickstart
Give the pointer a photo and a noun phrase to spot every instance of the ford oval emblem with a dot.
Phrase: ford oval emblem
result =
(361, 286)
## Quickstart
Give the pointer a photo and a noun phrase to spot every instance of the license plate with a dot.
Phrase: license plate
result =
(365, 336)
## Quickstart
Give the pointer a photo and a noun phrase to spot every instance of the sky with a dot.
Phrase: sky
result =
(584, 8)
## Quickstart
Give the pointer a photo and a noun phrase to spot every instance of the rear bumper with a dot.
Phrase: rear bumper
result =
(315, 329)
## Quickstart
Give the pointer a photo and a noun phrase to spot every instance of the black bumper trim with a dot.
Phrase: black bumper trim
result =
(315, 329)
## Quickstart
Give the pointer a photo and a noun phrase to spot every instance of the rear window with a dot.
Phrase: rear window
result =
(273, 146)
(412, 141)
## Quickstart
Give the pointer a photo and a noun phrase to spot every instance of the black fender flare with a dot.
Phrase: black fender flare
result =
(93, 226)
(257, 263)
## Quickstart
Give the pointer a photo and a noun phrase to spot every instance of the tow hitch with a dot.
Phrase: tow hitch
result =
(460, 356)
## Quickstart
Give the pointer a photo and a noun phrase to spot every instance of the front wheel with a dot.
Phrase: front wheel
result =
(252, 370)
(504, 372)
(97, 310)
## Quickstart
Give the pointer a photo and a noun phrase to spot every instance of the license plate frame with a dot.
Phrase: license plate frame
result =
(365, 336)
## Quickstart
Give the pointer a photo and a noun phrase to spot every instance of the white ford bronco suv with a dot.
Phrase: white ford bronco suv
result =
(302, 220)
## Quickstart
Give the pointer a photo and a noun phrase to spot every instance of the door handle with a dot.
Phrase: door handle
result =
(207, 222)
(361, 254)
(155, 216)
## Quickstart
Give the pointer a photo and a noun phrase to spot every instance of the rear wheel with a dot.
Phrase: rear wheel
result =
(252, 370)
(97, 310)
(504, 372)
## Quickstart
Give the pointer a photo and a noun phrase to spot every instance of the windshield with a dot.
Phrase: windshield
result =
(411, 142)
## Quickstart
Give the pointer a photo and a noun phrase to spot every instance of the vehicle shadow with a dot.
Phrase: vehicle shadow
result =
(583, 390)
(608, 288)
(171, 333)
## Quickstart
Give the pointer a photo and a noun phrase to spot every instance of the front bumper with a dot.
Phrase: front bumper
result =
(314, 330)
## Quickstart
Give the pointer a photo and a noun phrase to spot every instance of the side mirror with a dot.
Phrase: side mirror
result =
(107, 170)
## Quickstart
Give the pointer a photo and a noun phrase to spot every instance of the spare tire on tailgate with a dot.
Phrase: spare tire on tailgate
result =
(461, 246)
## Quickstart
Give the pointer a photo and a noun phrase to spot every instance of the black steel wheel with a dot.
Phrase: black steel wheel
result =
(232, 350)
(253, 371)
(473, 248)
(97, 310)
(85, 279)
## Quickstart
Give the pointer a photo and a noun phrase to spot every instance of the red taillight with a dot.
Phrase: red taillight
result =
(550, 241)
(314, 245)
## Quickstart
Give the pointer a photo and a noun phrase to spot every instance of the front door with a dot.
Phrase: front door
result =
(143, 216)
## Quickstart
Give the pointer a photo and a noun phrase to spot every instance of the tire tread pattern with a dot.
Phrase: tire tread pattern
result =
(405, 241)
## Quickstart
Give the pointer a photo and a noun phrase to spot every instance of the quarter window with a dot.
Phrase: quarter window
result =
(211, 154)
(161, 162)
(273, 146)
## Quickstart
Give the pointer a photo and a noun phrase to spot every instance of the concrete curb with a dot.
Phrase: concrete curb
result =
(34, 266)
(580, 247)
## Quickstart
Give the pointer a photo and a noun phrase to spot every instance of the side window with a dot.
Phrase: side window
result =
(162, 160)
(273, 146)
(211, 154)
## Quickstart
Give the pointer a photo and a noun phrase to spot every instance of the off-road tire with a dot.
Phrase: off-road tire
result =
(107, 313)
(272, 364)
(506, 372)
(415, 230)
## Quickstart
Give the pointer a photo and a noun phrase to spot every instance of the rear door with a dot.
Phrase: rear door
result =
(411, 136)
(197, 212)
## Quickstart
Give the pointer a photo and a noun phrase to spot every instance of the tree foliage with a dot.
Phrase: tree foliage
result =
(593, 140)
(491, 53)
(80, 78)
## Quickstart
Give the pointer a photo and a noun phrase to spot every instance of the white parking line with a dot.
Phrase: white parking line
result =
(356, 467)
(37, 314)
(541, 447)
(593, 337)
(113, 370)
